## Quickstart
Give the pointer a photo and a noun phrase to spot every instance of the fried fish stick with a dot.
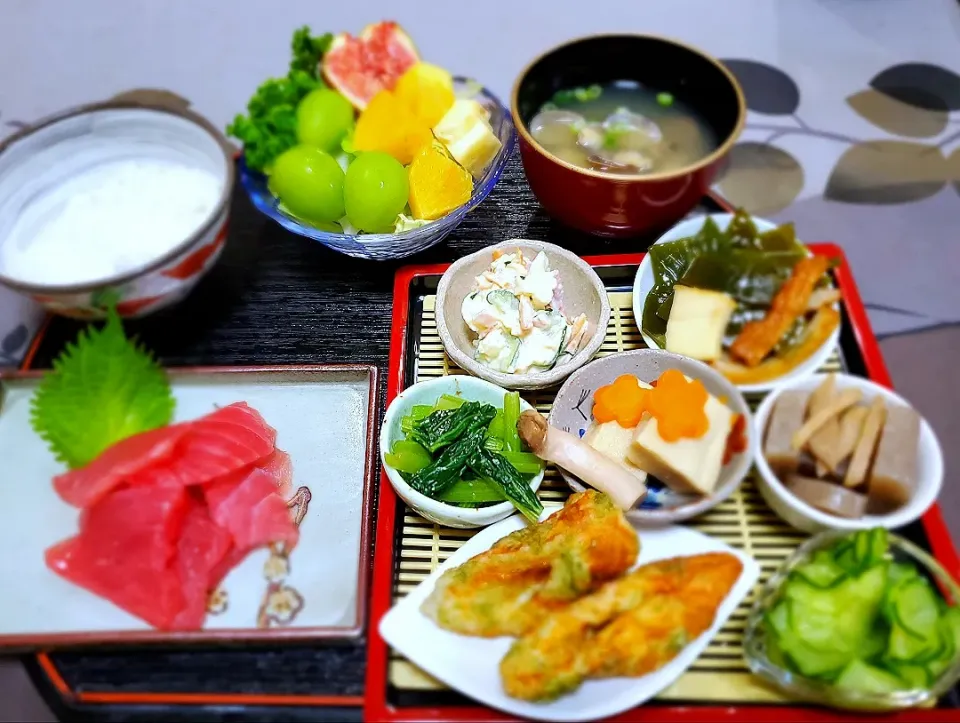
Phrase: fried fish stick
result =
(758, 338)
(629, 627)
(509, 588)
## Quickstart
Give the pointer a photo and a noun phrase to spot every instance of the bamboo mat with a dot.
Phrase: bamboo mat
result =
(744, 521)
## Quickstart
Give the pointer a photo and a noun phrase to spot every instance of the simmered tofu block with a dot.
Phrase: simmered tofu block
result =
(613, 441)
(690, 466)
(698, 321)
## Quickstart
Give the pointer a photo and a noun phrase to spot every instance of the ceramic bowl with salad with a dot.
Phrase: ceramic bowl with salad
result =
(366, 148)
(863, 621)
(521, 314)
(451, 450)
(741, 294)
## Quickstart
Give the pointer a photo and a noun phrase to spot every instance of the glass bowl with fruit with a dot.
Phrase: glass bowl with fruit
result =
(367, 149)
(864, 621)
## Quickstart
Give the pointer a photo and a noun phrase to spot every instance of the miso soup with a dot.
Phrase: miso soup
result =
(622, 127)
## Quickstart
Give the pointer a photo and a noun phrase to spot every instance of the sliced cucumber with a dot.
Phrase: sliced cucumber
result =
(908, 648)
(913, 676)
(821, 570)
(866, 678)
(503, 301)
(915, 608)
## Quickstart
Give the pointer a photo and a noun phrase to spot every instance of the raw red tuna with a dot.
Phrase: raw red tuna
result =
(277, 465)
(202, 548)
(254, 513)
(167, 514)
(229, 439)
(82, 487)
(126, 551)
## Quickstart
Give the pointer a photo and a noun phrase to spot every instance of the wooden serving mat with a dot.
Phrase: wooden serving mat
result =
(743, 521)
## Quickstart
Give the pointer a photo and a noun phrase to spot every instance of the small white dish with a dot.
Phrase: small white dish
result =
(809, 519)
(472, 665)
(429, 392)
(644, 282)
(583, 293)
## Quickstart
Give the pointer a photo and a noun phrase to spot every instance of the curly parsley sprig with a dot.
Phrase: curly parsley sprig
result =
(270, 126)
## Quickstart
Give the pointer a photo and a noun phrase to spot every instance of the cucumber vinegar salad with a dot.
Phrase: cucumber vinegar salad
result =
(516, 310)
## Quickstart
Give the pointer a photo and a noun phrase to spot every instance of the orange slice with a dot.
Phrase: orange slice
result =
(438, 184)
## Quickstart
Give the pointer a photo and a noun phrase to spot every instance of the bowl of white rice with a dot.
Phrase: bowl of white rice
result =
(118, 203)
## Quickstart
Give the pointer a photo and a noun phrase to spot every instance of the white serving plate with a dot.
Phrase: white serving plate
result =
(644, 282)
(471, 665)
(324, 417)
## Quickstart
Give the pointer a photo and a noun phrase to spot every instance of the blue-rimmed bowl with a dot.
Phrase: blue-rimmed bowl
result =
(572, 412)
(382, 246)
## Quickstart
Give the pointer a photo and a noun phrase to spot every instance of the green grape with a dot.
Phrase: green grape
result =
(309, 182)
(375, 191)
(324, 117)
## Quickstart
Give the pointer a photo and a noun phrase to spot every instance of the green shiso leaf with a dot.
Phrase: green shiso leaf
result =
(103, 388)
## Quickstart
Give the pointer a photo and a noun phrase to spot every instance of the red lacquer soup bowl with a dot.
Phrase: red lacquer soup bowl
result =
(618, 205)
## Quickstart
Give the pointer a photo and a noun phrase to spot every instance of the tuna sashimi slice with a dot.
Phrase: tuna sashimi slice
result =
(277, 465)
(218, 444)
(254, 513)
(126, 551)
(82, 487)
(202, 548)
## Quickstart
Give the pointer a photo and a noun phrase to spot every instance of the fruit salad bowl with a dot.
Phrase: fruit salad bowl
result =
(382, 247)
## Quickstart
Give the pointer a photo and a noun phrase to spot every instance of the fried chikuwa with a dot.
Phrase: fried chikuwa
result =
(508, 589)
(629, 627)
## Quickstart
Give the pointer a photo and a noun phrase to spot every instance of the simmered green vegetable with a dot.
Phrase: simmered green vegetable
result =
(447, 468)
(444, 426)
(851, 617)
(516, 489)
(473, 492)
(442, 439)
(511, 416)
(407, 456)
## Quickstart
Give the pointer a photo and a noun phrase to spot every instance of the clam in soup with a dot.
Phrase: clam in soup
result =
(622, 128)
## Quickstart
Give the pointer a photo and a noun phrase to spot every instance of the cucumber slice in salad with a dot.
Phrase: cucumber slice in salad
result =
(850, 616)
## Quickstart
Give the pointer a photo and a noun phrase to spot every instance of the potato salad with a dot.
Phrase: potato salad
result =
(516, 310)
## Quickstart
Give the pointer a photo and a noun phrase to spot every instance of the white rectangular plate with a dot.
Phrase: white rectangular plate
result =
(472, 665)
(324, 417)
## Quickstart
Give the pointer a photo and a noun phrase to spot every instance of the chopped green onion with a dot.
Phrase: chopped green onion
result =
(665, 99)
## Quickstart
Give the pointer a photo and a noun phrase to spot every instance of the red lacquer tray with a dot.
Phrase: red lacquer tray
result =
(859, 346)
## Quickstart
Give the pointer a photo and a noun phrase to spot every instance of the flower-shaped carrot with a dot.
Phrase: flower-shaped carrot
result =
(624, 401)
(679, 406)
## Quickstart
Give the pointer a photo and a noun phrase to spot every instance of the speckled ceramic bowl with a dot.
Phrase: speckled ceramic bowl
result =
(583, 293)
(573, 412)
(50, 153)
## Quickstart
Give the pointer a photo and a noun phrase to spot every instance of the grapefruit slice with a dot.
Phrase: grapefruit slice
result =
(361, 67)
